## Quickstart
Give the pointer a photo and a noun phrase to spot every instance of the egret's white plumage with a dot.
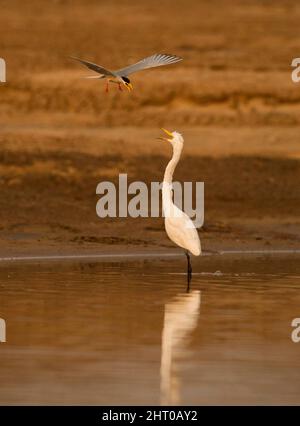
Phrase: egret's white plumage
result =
(179, 226)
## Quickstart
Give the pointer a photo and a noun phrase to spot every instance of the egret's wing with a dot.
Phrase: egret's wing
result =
(95, 67)
(156, 60)
(182, 231)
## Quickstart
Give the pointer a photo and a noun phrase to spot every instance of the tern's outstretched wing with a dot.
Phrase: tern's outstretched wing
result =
(95, 67)
(156, 60)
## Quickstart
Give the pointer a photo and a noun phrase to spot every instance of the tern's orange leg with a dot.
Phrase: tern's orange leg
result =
(120, 87)
(106, 89)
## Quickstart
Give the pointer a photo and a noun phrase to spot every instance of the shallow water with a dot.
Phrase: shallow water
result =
(130, 333)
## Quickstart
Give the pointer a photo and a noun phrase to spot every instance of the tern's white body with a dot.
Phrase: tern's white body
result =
(120, 76)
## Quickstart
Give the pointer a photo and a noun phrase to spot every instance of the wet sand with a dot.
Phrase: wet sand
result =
(48, 202)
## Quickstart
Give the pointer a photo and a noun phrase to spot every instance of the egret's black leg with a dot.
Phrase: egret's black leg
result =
(189, 265)
(189, 269)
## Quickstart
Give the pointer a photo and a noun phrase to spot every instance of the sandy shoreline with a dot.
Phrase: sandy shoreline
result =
(232, 97)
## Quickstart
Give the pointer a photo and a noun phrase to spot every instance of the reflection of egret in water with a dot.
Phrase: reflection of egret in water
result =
(181, 316)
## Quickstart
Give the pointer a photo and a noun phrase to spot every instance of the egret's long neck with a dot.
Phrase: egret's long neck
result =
(168, 176)
(167, 193)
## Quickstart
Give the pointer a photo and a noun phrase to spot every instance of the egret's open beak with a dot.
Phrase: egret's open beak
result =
(167, 133)
(129, 87)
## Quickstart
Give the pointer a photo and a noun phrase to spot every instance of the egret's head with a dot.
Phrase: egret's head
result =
(174, 138)
(127, 83)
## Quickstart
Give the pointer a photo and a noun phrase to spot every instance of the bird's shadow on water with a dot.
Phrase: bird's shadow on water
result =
(180, 319)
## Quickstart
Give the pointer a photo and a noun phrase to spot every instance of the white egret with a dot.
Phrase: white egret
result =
(179, 227)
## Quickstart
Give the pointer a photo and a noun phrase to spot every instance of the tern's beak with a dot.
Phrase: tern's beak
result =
(129, 87)
(170, 134)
